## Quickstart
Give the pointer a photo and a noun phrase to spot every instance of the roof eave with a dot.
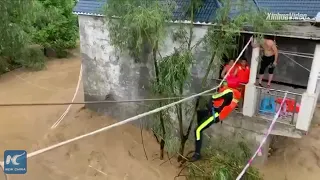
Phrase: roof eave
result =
(87, 14)
(175, 22)
(211, 24)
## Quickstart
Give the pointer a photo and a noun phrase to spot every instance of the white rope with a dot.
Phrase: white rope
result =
(28, 82)
(296, 62)
(137, 116)
(69, 107)
(263, 140)
(91, 94)
(298, 55)
(98, 170)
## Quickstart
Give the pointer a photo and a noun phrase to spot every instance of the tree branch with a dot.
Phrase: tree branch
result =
(142, 142)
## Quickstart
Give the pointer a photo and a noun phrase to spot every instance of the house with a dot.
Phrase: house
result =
(110, 75)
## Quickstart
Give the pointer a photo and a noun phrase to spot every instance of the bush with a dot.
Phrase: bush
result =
(32, 58)
(226, 159)
(4, 65)
(56, 26)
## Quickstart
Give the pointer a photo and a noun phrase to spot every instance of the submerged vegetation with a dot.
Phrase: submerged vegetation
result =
(30, 26)
(225, 159)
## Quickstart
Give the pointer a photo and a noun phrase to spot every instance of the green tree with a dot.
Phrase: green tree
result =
(134, 25)
(16, 18)
(56, 26)
(175, 72)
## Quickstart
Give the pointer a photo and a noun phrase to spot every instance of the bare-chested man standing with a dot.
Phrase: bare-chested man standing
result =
(269, 59)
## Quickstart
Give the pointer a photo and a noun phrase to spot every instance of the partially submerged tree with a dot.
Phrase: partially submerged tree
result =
(175, 71)
(56, 27)
(27, 26)
(139, 27)
(16, 18)
(226, 158)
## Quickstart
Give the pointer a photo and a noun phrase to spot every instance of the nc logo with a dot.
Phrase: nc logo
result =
(13, 159)
(15, 162)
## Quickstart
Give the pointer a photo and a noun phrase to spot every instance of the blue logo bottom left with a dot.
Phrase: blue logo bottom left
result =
(15, 162)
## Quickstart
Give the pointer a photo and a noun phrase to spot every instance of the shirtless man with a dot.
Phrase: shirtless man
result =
(269, 58)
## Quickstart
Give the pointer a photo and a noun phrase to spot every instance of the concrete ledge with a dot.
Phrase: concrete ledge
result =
(260, 126)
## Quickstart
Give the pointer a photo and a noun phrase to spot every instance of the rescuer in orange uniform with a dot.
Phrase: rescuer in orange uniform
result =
(227, 67)
(219, 107)
(242, 73)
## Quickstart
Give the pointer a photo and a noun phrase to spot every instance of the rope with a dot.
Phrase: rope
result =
(4, 174)
(137, 116)
(263, 140)
(56, 89)
(298, 55)
(74, 97)
(296, 62)
(94, 102)
(28, 82)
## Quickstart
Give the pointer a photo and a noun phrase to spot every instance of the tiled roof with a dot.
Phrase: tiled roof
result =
(205, 14)
(309, 7)
(235, 7)
(89, 7)
(208, 10)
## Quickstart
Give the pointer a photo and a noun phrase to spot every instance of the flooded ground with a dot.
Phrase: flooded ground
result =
(296, 159)
(115, 154)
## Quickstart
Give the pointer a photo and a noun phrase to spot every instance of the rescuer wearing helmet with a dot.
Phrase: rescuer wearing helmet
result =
(219, 107)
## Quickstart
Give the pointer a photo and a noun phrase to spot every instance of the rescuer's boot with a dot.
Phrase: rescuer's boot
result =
(196, 156)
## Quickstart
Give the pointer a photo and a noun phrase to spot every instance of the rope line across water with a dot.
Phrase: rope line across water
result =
(40, 151)
(69, 107)
(263, 140)
(95, 102)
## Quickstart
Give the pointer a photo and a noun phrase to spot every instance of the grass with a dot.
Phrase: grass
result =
(224, 160)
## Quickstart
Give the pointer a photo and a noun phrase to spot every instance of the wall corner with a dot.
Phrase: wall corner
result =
(250, 100)
(305, 114)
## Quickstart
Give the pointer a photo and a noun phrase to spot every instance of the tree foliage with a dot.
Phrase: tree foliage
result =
(226, 158)
(139, 27)
(48, 23)
(16, 22)
(174, 72)
(56, 26)
(135, 24)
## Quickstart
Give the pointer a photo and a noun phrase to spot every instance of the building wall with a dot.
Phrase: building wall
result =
(112, 75)
(287, 71)
(109, 75)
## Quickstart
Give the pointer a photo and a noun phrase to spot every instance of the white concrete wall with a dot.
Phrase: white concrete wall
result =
(309, 98)
(111, 75)
(250, 97)
(318, 89)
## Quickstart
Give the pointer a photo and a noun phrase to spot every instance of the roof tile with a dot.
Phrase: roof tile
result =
(204, 14)
(309, 7)
(207, 12)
